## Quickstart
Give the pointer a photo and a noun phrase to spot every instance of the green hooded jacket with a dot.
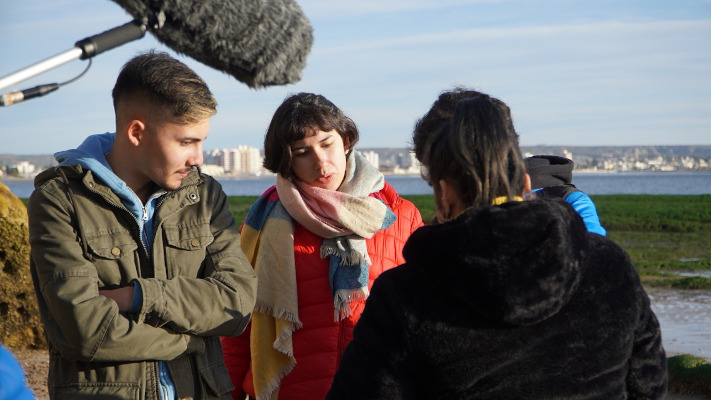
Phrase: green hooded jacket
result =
(197, 285)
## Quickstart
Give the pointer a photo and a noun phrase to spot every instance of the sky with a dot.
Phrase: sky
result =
(574, 73)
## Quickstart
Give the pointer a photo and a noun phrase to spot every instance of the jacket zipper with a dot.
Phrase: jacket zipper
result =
(139, 224)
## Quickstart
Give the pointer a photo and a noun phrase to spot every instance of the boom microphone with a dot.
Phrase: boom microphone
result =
(259, 42)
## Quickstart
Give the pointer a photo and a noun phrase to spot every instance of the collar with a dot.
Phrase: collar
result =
(503, 199)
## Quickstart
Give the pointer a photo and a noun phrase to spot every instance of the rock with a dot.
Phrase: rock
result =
(689, 375)
(20, 324)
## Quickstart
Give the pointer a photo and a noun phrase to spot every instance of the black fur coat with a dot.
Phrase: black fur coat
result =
(516, 301)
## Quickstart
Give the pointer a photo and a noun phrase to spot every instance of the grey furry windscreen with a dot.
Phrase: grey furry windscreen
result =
(259, 42)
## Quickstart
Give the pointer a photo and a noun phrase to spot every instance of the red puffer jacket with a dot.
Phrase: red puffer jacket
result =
(319, 344)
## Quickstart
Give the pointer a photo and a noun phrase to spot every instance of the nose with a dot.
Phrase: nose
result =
(196, 158)
(320, 158)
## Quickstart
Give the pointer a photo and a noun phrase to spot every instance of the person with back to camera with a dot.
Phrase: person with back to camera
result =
(505, 298)
(135, 255)
(552, 177)
(345, 224)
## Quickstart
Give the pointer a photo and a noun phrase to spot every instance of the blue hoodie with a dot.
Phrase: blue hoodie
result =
(583, 204)
(91, 155)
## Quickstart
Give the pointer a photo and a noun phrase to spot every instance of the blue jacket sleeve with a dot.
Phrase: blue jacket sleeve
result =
(582, 203)
(12, 378)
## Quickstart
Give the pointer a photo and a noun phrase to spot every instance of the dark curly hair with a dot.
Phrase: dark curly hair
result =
(301, 115)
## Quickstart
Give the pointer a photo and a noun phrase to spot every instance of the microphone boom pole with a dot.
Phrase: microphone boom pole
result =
(40, 67)
(85, 48)
(259, 42)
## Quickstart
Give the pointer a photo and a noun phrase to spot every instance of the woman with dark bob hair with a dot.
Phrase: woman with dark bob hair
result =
(317, 240)
(504, 298)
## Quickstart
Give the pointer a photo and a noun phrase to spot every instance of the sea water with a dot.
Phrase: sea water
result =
(590, 183)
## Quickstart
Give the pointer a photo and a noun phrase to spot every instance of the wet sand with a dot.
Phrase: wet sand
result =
(685, 319)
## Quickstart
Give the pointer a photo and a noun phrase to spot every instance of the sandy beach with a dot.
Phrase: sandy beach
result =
(685, 318)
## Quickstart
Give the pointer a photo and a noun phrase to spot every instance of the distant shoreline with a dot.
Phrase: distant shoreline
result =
(581, 172)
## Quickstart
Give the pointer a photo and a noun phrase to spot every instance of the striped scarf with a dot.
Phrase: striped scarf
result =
(344, 219)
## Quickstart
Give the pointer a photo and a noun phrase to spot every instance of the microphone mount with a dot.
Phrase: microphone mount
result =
(110, 39)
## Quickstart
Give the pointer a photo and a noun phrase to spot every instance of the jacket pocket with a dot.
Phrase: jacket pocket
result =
(186, 248)
(97, 392)
(72, 380)
(114, 257)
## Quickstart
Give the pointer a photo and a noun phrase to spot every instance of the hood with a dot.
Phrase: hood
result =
(518, 263)
(91, 155)
(548, 171)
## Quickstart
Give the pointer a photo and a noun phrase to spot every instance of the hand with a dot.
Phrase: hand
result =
(122, 297)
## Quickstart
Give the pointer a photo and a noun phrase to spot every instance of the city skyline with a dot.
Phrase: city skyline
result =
(244, 160)
(607, 73)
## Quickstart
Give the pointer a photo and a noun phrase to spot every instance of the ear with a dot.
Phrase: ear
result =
(447, 194)
(526, 186)
(346, 144)
(135, 130)
(448, 200)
